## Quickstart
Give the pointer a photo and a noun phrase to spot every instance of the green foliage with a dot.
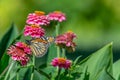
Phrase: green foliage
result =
(97, 61)
(7, 39)
(116, 70)
(52, 53)
(97, 66)
(104, 75)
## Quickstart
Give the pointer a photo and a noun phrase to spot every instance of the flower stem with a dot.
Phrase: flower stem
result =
(8, 72)
(58, 76)
(32, 75)
(57, 29)
(58, 51)
(17, 78)
(57, 33)
(63, 53)
(17, 73)
(5, 70)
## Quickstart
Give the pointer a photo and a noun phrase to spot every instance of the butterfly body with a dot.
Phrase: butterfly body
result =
(39, 46)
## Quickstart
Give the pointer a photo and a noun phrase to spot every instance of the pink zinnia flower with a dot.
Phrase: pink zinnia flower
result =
(24, 61)
(37, 18)
(66, 40)
(56, 16)
(61, 63)
(24, 46)
(19, 51)
(34, 31)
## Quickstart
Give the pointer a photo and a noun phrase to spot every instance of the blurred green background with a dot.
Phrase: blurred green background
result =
(96, 22)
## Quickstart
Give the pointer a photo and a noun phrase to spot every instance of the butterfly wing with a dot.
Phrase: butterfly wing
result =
(39, 49)
(39, 46)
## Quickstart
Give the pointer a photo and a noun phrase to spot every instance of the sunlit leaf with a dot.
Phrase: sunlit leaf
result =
(116, 70)
(104, 75)
(97, 61)
(39, 74)
(52, 53)
(5, 42)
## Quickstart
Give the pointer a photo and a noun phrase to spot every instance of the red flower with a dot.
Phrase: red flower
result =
(19, 51)
(37, 18)
(34, 31)
(56, 16)
(24, 46)
(66, 40)
(61, 63)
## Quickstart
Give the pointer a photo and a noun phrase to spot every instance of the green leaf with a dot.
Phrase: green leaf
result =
(39, 75)
(76, 60)
(116, 70)
(51, 71)
(27, 74)
(97, 61)
(86, 75)
(5, 42)
(13, 71)
(7, 39)
(52, 53)
(104, 75)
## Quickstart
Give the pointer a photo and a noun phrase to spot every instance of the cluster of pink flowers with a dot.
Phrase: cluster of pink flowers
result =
(66, 40)
(19, 52)
(61, 63)
(37, 19)
(34, 28)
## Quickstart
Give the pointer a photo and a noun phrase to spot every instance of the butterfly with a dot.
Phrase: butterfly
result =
(39, 46)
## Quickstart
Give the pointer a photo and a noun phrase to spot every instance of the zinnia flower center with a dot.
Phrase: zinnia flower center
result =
(39, 13)
(62, 60)
(35, 26)
(19, 52)
(57, 11)
(69, 31)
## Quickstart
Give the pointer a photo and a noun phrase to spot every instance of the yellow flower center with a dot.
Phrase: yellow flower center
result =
(70, 31)
(35, 26)
(39, 13)
(61, 60)
(57, 11)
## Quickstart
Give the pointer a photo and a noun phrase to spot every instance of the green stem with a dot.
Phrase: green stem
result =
(58, 51)
(32, 75)
(5, 70)
(57, 33)
(57, 29)
(63, 53)
(26, 66)
(58, 76)
(17, 78)
(17, 73)
(69, 73)
(8, 72)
